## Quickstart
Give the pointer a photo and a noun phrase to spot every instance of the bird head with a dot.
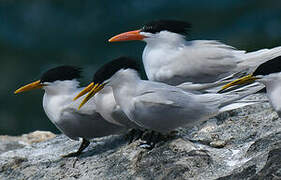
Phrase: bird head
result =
(104, 75)
(154, 29)
(53, 76)
(264, 73)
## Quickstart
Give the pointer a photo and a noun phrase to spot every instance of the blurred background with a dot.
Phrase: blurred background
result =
(37, 35)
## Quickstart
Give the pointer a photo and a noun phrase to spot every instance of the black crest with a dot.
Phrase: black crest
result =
(180, 27)
(271, 66)
(107, 70)
(61, 73)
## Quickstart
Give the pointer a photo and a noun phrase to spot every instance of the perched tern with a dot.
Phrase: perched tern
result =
(106, 106)
(61, 86)
(168, 57)
(269, 74)
(105, 103)
(155, 105)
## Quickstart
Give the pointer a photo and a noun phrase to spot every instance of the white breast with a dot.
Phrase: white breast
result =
(106, 105)
(273, 88)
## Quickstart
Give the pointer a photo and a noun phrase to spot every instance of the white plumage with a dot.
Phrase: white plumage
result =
(61, 87)
(272, 83)
(63, 112)
(169, 58)
(110, 111)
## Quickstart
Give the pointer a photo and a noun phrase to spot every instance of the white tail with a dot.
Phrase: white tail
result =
(252, 60)
(236, 98)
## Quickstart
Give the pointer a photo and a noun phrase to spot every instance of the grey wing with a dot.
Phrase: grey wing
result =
(198, 88)
(122, 119)
(166, 109)
(211, 61)
(75, 123)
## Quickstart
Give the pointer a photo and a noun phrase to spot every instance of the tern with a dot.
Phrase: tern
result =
(168, 57)
(106, 105)
(154, 105)
(268, 74)
(61, 85)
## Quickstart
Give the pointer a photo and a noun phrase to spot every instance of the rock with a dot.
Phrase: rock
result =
(8, 143)
(241, 144)
(218, 144)
(37, 136)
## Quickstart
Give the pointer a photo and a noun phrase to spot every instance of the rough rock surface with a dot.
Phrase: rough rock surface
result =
(15, 142)
(241, 144)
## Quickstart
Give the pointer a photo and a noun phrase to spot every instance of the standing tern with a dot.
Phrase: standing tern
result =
(61, 86)
(269, 74)
(155, 105)
(106, 106)
(168, 57)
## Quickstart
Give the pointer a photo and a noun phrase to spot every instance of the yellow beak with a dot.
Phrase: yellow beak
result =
(127, 36)
(31, 86)
(92, 89)
(246, 79)
(84, 91)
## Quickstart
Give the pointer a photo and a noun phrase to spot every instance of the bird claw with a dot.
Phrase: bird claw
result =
(134, 135)
(151, 138)
(148, 138)
(146, 145)
(85, 143)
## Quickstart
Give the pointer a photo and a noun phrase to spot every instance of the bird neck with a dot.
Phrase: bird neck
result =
(124, 83)
(159, 53)
(124, 86)
(105, 103)
(58, 95)
(124, 77)
(165, 39)
(61, 87)
(273, 88)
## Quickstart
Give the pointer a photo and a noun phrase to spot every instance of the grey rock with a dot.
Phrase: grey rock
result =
(15, 142)
(241, 144)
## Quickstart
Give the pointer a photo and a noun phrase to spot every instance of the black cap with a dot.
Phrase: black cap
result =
(175, 26)
(61, 73)
(269, 67)
(109, 69)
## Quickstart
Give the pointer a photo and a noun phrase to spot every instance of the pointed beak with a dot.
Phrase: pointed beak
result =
(84, 91)
(127, 36)
(28, 87)
(244, 80)
(92, 91)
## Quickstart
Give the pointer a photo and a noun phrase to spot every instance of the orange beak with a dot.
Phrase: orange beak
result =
(127, 36)
(31, 86)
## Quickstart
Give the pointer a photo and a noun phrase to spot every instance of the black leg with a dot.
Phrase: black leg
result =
(133, 135)
(148, 140)
(85, 143)
(151, 138)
